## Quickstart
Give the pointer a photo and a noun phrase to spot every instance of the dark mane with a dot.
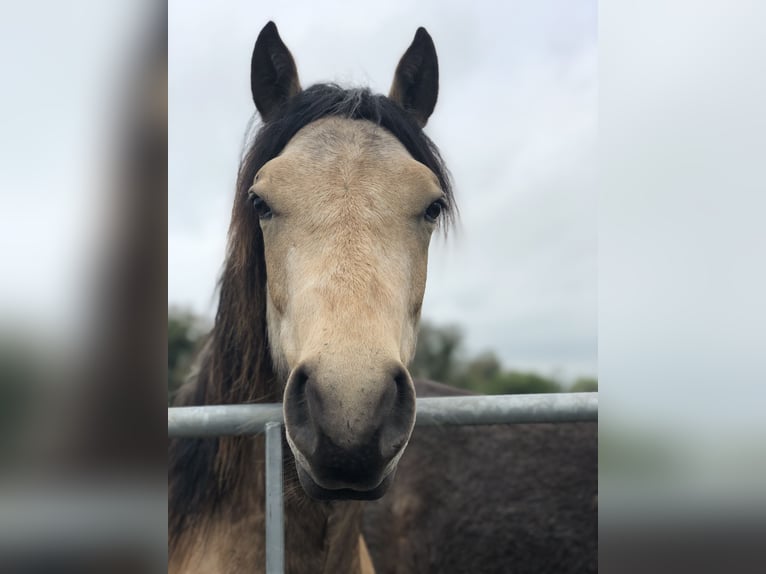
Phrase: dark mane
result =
(235, 366)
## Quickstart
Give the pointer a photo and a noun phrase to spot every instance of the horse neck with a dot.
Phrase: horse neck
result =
(322, 537)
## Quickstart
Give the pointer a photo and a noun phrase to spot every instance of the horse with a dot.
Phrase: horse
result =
(337, 198)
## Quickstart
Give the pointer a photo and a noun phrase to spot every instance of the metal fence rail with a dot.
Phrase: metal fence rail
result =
(220, 420)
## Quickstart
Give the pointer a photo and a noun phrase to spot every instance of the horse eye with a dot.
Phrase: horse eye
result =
(434, 211)
(261, 207)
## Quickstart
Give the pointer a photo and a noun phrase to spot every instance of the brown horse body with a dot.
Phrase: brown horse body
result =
(320, 297)
(491, 499)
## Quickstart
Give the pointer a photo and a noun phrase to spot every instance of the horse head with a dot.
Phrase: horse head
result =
(345, 211)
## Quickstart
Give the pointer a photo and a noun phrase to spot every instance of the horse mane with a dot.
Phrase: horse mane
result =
(235, 365)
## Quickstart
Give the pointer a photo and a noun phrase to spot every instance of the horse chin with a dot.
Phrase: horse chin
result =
(320, 493)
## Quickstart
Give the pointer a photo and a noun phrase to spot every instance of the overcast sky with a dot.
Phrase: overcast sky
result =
(516, 121)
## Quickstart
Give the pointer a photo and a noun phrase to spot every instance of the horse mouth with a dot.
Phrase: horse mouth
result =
(347, 493)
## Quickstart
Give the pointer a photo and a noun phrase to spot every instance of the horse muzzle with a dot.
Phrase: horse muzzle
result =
(351, 492)
(347, 439)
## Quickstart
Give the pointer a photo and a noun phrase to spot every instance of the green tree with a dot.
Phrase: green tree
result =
(440, 357)
(476, 374)
(185, 331)
(517, 383)
(584, 385)
(436, 354)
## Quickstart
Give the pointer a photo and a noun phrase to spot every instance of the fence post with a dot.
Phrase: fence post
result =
(275, 523)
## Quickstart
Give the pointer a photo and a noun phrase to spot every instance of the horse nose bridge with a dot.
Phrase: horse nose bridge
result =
(345, 322)
(354, 273)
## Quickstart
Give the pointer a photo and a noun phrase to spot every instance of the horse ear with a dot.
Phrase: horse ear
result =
(416, 82)
(273, 75)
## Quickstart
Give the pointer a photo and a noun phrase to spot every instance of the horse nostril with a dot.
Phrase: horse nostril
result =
(301, 377)
(405, 392)
(401, 381)
(296, 384)
(296, 402)
(400, 417)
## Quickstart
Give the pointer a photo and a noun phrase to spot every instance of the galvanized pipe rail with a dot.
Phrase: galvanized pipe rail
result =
(275, 519)
(220, 420)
